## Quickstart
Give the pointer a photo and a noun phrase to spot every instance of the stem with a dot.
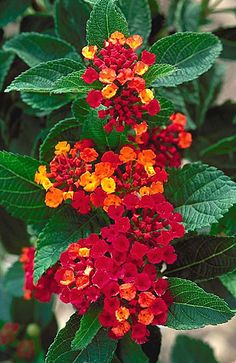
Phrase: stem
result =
(224, 10)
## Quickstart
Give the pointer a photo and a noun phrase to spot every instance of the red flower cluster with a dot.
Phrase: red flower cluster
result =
(46, 285)
(8, 333)
(165, 142)
(117, 69)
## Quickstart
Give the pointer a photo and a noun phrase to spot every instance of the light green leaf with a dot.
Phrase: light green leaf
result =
(138, 16)
(70, 19)
(191, 53)
(19, 194)
(224, 146)
(14, 279)
(204, 257)
(52, 243)
(11, 9)
(229, 281)
(162, 118)
(187, 349)
(193, 307)
(71, 83)
(89, 326)
(158, 71)
(129, 351)
(43, 77)
(44, 101)
(65, 130)
(202, 194)
(61, 347)
(35, 48)
(105, 18)
(6, 60)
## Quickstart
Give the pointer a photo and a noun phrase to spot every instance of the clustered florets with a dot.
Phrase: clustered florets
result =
(121, 267)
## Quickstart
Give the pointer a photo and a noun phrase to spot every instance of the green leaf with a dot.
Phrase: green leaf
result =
(45, 102)
(52, 243)
(193, 307)
(14, 279)
(61, 347)
(105, 19)
(229, 281)
(71, 83)
(11, 9)
(138, 16)
(35, 48)
(204, 257)
(187, 16)
(68, 129)
(6, 60)
(187, 349)
(19, 194)
(89, 326)
(158, 71)
(162, 118)
(226, 225)
(191, 53)
(224, 146)
(70, 19)
(43, 77)
(202, 194)
(227, 37)
(129, 351)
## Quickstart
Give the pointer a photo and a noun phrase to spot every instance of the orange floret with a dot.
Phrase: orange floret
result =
(84, 252)
(146, 299)
(179, 119)
(108, 185)
(145, 317)
(89, 51)
(146, 158)
(54, 197)
(122, 314)
(109, 91)
(104, 170)
(89, 181)
(140, 68)
(68, 195)
(117, 37)
(68, 278)
(127, 291)
(125, 75)
(185, 140)
(134, 41)
(46, 183)
(82, 282)
(144, 191)
(157, 187)
(127, 154)
(111, 199)
(146, 96)
(141, 128)
(88, 154)
(40, 174)
(107, 75)
(62, 147)
(121, 329)
(149, 170)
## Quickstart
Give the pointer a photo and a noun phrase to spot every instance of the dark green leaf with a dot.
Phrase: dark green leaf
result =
(138, 16)
(71, 83)
(65, 227)
(70, 19)
(223, 146)
(45, 102)
(11, 9)
(129, 351)
(162, 118)
(204, 257)
(36, 48)
(43, 77)
(89, 326)
(68, 129)
(187, 15)
(6, 60)
(14, 279)
(202, 194)
(20, 195)
(193, 307)
(191, 53)
(187, 349)
(152, 347)
(61, 347)
(105, 19)
(228, 39)
(158, 71)
(226, 225)
(229, 281)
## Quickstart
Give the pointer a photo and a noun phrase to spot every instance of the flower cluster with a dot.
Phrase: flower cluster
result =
(124, 98)
(122, 267)
(78, 174)
(46, 285)
(10, 339)
(166, 142)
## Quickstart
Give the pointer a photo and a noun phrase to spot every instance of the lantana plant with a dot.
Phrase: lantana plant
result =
(124, 226)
